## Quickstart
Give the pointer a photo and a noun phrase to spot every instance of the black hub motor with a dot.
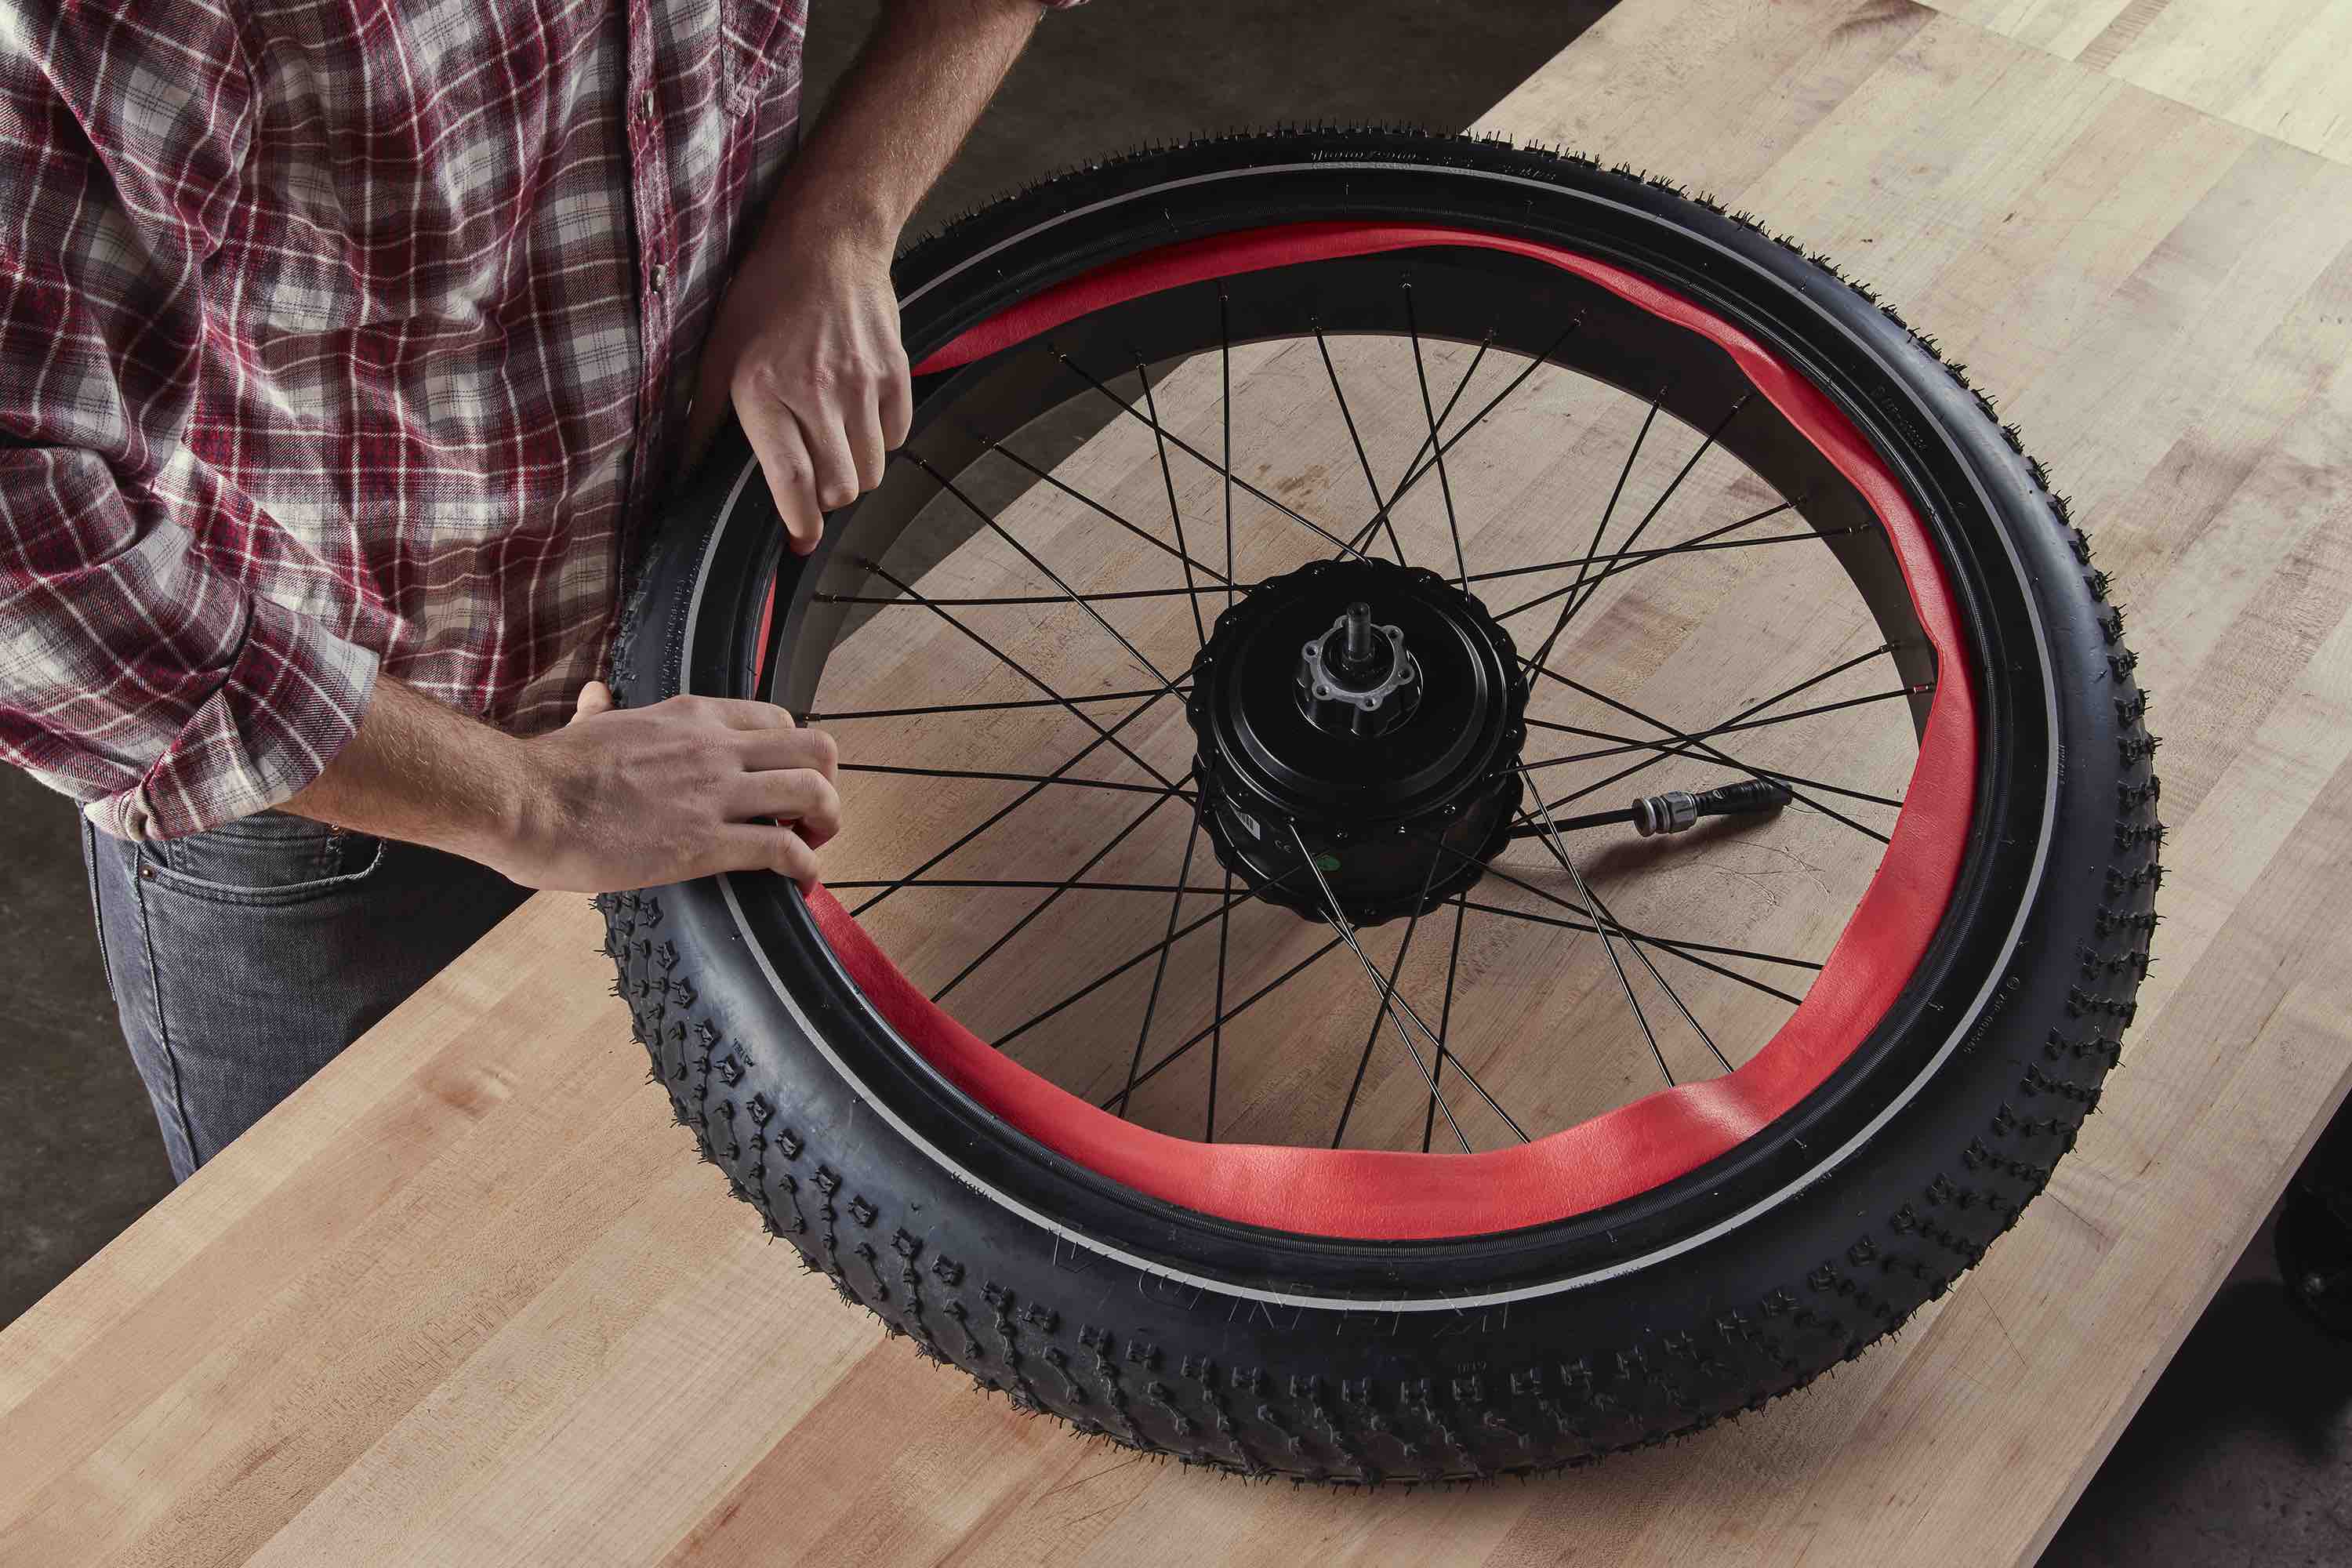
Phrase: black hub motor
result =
(1371, 715)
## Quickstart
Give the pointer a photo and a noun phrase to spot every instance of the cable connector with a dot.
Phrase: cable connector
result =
(1678, 810)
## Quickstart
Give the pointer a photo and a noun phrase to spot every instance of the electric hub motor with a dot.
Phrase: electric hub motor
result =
(1367, 714)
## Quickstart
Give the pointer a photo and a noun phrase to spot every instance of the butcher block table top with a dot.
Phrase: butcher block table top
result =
(467, 1298)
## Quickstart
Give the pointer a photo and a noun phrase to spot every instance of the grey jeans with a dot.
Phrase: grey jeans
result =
(243, 960)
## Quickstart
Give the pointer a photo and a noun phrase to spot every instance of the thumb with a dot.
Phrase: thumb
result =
(595, 698)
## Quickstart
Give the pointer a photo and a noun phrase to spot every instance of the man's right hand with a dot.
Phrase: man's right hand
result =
(634, 797)
(619, 798)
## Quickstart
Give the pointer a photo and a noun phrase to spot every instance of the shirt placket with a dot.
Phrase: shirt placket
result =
(657, 225)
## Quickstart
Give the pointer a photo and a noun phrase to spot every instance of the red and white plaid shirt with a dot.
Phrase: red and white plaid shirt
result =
(339, 336)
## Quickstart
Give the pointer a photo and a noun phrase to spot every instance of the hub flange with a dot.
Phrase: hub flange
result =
(1370, 712)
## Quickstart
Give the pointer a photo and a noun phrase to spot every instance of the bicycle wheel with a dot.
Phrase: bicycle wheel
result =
(1489, 815)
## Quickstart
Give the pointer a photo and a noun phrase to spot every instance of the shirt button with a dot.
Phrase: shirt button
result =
(661, 276)
(646, 104)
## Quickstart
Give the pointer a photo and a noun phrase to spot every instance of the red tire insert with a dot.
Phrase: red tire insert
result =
(1391, 1195)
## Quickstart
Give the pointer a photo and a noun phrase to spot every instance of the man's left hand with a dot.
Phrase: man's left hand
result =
(805, 350)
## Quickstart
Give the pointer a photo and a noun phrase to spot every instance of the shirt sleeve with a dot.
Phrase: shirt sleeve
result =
(137, 673)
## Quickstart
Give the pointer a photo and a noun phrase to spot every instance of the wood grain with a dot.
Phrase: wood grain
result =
(2273, 66)
(468, 1298)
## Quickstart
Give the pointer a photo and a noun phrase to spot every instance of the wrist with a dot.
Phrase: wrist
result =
(422, 772)
(510, 805)
(833, 222)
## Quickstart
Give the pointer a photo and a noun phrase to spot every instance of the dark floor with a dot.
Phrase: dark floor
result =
(2239, 1456)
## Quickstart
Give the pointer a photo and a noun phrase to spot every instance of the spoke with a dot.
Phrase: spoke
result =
(1227, 1016)
(1073, 884)
(1712, 751)
(1428, 412)
(1089, 502)
(1686, 951)
(1170, 439)
(1159, 972)
(1430, 440)
(1752, 709)
(1627, 559)
(1600, 529)
(1658, 506)
(1065, 782)
(1671, 943)
(1020, 670)
(1390, 1001)
(1643, 953)
(1733, 726)
(1444, 1023)
(1372, 1035)
(1175, 513)
(1047, 901)
(1560, 851)
(1675, 945)
(1031, 556)
(1099, 980)
(1656, 744)
(1370, 483)
(1009, 808)
(1021, 598)
(1400, 1009)
(1576, 602)
(1225, 367)
(814, 718)
(1607, 918)
(1414, 475)
(1607, 556)
(1217, 1013)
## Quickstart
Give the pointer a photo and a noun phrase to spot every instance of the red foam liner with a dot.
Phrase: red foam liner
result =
(1383, 1195)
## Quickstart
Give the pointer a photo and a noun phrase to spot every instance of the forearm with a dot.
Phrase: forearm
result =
(417, 771)
(897, 118)
(805, 348)
(617, 798)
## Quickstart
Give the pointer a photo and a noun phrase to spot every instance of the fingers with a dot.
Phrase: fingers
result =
(727, 713)
(772, 749)
(738, 712)
(862, 428)
(824, 431)
(783, 455)
(754, 847)
(800, 795)
(788, 778)
(897, 402)
(788, 772)
(595, 698)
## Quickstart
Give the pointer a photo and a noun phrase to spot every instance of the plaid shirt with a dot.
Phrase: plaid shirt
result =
(339, 336)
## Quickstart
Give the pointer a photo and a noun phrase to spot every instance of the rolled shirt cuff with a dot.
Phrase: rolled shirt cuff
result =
(290, 702)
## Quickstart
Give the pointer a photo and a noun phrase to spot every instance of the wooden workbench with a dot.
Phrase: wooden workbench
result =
(467, 1298)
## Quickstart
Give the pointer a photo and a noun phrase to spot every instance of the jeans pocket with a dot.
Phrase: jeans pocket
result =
(268, 859)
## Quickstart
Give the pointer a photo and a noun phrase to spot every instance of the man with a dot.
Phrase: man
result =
(345, 349)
